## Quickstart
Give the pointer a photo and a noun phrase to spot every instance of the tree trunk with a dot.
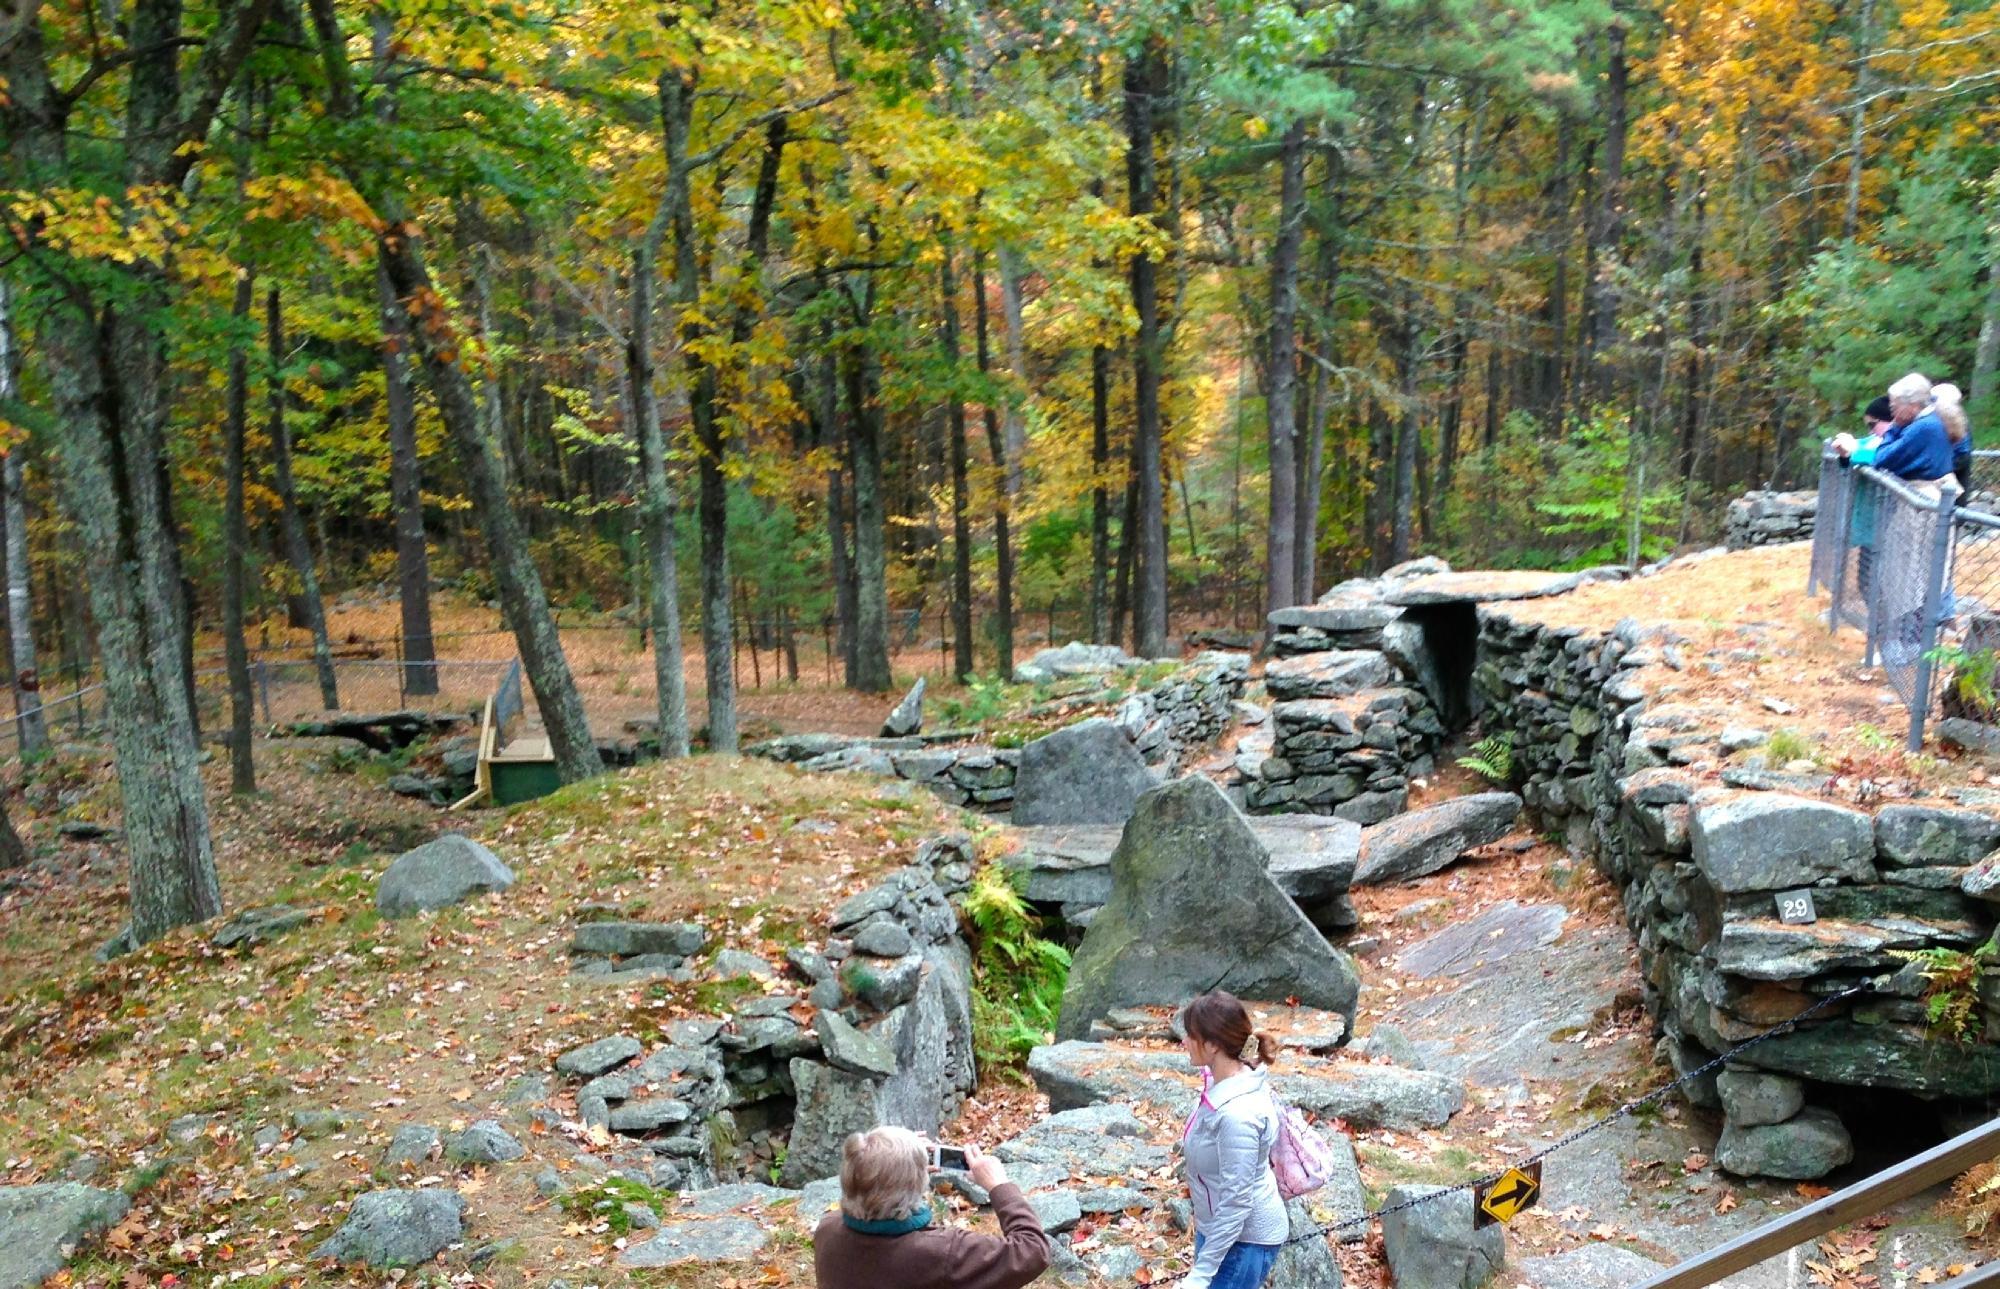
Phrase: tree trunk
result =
(656, 494)
(677, 95)
(1103, 624)
(1551, 394)
(13, 852)
(523, 601)
(1003, 489)
(30, 726)
(105, 398)
(871, 591)
(961, 523)
(1406, 435)
(406, 479)
(406, 495)
(297, 548)
(235, 547)
(841, 561)
(106, 365)
(1986, 355)
(1128, 536)
(1305, 547)
(1281, 394)
(1016, 425)
(1857, 136)
(1608, 225)
(1145, 85)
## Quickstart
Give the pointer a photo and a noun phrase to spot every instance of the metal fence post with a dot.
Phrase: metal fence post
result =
(1927, 628)
(1843, 516)
(264, 687)
(1829, 466)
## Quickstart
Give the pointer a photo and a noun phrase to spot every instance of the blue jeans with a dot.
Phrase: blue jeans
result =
(1245, 1266)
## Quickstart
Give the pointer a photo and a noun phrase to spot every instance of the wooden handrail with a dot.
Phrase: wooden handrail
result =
(1863, 1199)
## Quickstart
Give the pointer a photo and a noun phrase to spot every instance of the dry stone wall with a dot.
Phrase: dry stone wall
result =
(1769, 518)
(1171, 724)
(1703, 847)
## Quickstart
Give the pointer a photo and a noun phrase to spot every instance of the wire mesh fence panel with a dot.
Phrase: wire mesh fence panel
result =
(286, 692)
(1856, 553)
(1836, 485)
(1906, 529)
(1969, 635)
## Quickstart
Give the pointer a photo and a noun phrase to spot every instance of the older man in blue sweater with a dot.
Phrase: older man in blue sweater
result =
(1915, 446)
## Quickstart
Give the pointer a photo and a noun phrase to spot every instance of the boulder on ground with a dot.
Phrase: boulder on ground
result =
(259, 926)
(1073, 659)
(1809, 1145)
(1152, 943)
(908, 716)
(629, 939)
(397, 1228)
(1087, 773)
(439, 874)
(1593, 1266)
(1306, 1263)
(484, 1142)
(1312, 856)
(1432, 1245)
(412, 1146)
(40, 1224)
(1424, 841)
(1312, 860)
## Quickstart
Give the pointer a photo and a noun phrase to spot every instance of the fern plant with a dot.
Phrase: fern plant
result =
(1017, 976)
(1492, 757)
(1976, 1196)
(1951, 988)
(1975, 674)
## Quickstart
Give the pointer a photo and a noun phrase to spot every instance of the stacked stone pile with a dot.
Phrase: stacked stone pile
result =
(1187, 712)
(1170, 724)
(882, 1034)
(1360, 690)
(1673, 801)
(1768, 518)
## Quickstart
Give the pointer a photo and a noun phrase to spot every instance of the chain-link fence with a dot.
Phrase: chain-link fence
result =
(1918, 573)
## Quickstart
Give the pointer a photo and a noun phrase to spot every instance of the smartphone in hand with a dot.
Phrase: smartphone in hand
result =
(948, 1158)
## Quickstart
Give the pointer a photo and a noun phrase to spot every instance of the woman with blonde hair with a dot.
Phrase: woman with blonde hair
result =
(882, 1237)
(1240, 1224)
(1949, 404)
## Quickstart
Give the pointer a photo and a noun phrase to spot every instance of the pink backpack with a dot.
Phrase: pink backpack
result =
(1300, 1159)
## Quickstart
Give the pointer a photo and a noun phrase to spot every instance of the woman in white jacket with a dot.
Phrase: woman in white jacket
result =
(1240, 1223)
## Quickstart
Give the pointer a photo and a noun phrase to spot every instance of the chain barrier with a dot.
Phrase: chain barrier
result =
(1630, 1107)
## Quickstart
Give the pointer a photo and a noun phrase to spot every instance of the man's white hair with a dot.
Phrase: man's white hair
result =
(1913, 390)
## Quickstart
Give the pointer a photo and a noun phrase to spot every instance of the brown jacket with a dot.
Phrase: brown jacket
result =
(935, 1257)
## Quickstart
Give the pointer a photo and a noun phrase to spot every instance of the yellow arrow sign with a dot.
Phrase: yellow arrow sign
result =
(1507, 1195)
